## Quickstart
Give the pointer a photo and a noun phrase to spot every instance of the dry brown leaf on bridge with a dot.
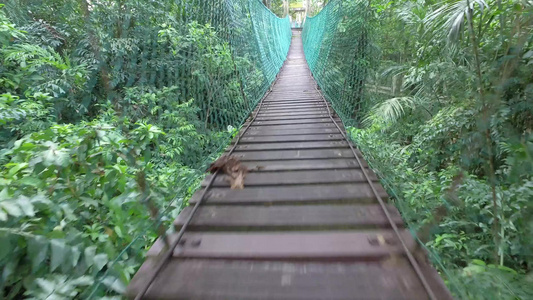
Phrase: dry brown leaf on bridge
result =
(232, 168)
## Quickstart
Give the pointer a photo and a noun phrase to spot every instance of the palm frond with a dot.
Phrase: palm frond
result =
(449, 18)
(390, 110)
(394, 70)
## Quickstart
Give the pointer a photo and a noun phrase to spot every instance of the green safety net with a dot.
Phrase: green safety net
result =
(223, 55)
(194, 68)
(337, 50)
(422, 125)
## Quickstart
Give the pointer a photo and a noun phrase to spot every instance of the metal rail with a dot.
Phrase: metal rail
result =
(168, 255)
(410, 256)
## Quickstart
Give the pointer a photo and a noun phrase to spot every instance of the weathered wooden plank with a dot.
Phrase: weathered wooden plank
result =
(293, 102)
(186, 279)
(246, 139)
(299, 194)
(261, 118)
(302, 164)
(293, 88)
(302, 92)
(297, 177)
(294, 111)
(354, 245)
(293, 126)
(294, 154)
(285, 96)
(305, 84)
(285, 217)
(289, 114)
(291, 145)
(299, 131)
(296, 105)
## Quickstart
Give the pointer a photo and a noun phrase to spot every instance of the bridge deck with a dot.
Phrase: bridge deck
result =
(307, 224)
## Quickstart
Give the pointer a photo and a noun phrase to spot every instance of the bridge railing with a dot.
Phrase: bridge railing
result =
(339, 49)
(435, 107)
(195, 68)
(223, 55)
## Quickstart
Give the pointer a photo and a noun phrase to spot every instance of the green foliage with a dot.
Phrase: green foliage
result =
(68, 193)
(110, 112)
(338, 50)
(464, 233)
(447, 125)
(442, 92)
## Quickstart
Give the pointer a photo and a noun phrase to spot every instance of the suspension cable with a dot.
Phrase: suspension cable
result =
(410, 256)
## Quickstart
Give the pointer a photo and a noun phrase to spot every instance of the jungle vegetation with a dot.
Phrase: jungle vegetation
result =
(447, 121)
(106, 107)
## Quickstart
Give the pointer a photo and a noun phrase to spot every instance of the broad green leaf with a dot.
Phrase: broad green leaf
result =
(75, 256)
(16, 168)
(88, 254)
(4, 195)
(83, 280)
(60, 252)
(5, 249)
(26, 206)
(37, 251)
(55, 156)
(11, 208)
(478, 262)
(114, 284)
(100, 260)
(47, 285)
(32, 181)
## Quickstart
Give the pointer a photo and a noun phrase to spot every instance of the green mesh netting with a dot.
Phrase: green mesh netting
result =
(223, 55)
(200, 67)
(339, 51)
(336, 46)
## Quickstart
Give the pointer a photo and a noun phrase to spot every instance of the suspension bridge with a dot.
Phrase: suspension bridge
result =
(311, 222)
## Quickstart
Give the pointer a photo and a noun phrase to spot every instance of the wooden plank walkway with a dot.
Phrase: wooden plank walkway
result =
(307, 225)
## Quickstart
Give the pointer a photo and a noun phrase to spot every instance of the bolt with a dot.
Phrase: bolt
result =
(196, 243)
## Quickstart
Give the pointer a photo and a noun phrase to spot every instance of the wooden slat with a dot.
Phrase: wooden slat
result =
(301, 93)
(256, 132)
(307, 217)
(294, 154)
(302, 164)
(291, 118)
(355, 245)
(298, 103)
(289, 114)
(248, 139)
(283, 110)
(276, 280)
(302, 194)
(298, 110)
(293, 126)
(291, 145)
(291, 98)
(296, 177)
